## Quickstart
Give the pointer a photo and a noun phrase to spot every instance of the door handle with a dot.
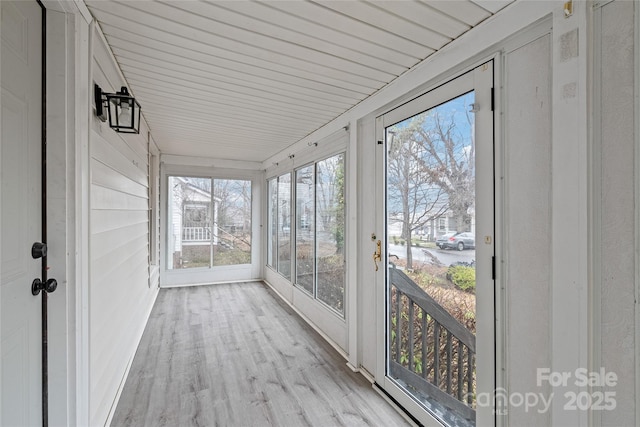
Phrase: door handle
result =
(377, 255)
(38, 285)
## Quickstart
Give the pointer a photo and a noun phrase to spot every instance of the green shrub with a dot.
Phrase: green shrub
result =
(463, 277)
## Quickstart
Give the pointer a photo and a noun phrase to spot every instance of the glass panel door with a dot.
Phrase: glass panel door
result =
(431, 228)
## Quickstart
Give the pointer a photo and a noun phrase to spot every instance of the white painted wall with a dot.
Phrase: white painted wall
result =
(366, 244)
(527, 214)
(118, 247)
(615, 200)
(60, 216)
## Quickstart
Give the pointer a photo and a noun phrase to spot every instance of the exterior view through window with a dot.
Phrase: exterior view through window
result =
(284, 225)
(305, 228)
(430, 222)
(209, 222)
(330, 232)
(279, 224)
(272, 222)
(318, 227)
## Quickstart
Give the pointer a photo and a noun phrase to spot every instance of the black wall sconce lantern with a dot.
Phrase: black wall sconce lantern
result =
(122, 110)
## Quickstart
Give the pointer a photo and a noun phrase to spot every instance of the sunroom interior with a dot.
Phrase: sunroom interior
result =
(444, 192)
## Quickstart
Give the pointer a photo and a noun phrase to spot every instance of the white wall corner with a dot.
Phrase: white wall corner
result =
(352, 251)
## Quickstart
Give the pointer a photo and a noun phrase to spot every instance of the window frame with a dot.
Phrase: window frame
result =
(292, 171)
(214, 273)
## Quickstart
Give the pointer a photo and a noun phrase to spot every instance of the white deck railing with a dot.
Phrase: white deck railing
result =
(196, 234)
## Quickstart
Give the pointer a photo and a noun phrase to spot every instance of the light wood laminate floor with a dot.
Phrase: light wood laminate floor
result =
(236, 355)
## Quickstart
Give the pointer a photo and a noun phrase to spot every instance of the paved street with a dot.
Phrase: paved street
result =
(445, 256)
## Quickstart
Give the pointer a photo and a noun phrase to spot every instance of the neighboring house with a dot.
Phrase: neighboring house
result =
(433, 229)
(194, 219)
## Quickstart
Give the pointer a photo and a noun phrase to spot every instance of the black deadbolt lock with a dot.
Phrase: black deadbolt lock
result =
(39, 250)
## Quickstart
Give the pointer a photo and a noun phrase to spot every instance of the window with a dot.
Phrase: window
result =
(279, 224)
(284, 225)
(272, 222)
(305, 228)
(320, 231)
(232, 222)
(317, 228)
(330, 219)
(209, 222)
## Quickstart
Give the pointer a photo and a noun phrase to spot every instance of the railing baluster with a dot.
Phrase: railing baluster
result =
(436, 353)
(196, 234)
(470, 366)
(411, 334)
(438, 329)
(425, 333)
(429, 340)
(460, 370)
(398, 324)
(449, 367)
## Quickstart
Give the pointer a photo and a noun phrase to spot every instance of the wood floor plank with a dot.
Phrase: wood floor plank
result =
(237, 355)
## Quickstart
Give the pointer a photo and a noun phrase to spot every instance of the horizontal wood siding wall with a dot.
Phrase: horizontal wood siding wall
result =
(120, 293)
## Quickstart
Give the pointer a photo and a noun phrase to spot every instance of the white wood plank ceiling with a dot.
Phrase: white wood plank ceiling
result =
(245, 79)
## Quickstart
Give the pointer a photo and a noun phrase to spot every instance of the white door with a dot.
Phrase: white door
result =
(436, 288)
(20, 213)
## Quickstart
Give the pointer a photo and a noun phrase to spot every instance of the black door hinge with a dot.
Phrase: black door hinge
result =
(493, 268)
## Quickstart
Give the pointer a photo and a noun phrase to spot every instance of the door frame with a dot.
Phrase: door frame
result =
(68, 101)
(481, 78)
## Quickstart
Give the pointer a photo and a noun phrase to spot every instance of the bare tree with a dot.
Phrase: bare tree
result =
(413, 198)
(430, 171)
(450, 163)
(233, 203)
(330, 198)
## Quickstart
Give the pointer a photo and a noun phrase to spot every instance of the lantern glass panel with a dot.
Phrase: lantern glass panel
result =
(124, 113)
